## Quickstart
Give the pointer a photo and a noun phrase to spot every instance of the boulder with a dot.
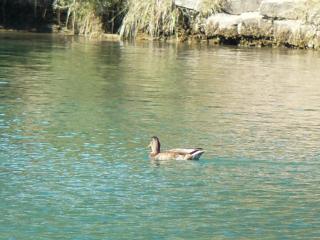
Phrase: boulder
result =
(289, 22)
(313, 13)
(295, 33)
(232, 6)
(285, 9)
(222, 24)
(254, 25)
(190, 4)
(250, 24)
(241, 6)
(317, 40)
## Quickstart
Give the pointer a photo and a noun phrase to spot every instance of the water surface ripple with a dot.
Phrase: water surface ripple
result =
(76, 116)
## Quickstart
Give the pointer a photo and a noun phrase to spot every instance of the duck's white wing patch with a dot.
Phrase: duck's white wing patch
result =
(183, 150)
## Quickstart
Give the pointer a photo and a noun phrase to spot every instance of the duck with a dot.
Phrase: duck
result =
(173, 154)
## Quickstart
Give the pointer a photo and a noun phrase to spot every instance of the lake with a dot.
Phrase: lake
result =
(76, 117)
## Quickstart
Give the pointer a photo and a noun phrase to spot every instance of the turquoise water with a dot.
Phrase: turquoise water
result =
(76, 117)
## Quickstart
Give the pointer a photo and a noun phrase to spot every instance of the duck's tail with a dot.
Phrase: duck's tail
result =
(196, 154)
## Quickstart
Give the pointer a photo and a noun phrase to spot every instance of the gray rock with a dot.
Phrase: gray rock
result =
(222, 24)
(247, 24)
(254, 25)
(317, 40)
(232, 7)
(295, 32)
(285, 9)
(293, 22)
(190, 4)
(313, 14)
(242, 6)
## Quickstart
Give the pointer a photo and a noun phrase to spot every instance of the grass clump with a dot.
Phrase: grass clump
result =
(157, 18)
(161, 18)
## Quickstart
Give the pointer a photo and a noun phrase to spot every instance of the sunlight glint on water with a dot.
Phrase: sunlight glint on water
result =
(76, 117)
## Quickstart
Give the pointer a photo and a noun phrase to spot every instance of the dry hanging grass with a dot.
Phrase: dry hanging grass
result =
(154, 17)
(85, 16)
(159, 18)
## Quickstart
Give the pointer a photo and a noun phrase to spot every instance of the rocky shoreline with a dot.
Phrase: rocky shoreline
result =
(291, 23)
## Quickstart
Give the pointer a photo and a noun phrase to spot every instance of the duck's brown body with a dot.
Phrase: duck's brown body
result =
(173, 154)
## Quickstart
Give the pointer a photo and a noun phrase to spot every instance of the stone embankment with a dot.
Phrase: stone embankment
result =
(294, 23)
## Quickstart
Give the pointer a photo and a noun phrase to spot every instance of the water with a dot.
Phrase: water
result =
(76, 117)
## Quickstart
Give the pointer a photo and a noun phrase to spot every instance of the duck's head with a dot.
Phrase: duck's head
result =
(155, 145)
